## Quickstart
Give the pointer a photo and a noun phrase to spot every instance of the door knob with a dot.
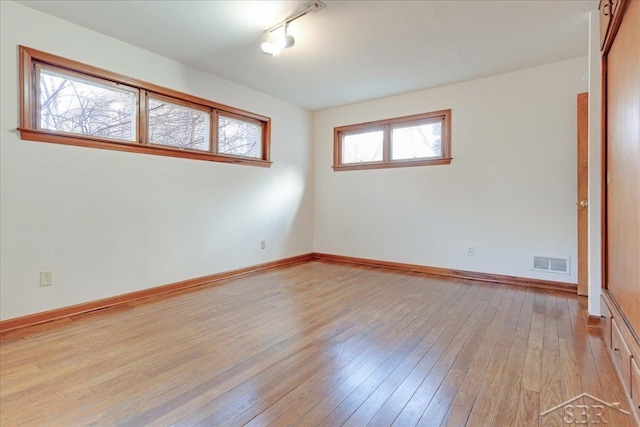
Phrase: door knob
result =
(584, 203)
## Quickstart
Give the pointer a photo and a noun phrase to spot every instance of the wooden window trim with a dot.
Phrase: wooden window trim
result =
(28, 109)
(388, 125)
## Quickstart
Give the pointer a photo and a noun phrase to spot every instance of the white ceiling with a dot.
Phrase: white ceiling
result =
(351, 50)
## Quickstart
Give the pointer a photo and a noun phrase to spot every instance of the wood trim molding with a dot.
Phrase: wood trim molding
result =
(393, 164)
(32, 60)
(603, 173)
(158, 150)
(460, 274)
(29, 54)
(386, 126)
(155, 292)
(594, 321)
(614, 25)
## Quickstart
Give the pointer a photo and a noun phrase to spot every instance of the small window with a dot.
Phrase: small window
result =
(178, 126)
(419, 140)
(239, 137)
(71, 104)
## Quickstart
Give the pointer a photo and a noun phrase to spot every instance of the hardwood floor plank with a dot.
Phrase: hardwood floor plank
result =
(551, 334)
(436, 411)
(415, 407)
(406, 318)
(363, 413)
(533, 359)
(528, 408)
(467, 393)
(507, 399)
(385, 317)
(284, 412)
(316, 343)
(317, 414)
(485, 400)
(439, 338)
(551, 393)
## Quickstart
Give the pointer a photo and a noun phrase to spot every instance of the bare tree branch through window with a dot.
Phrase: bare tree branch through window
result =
(178, 126)
(239, 138)
(67, 102)
(82, 107)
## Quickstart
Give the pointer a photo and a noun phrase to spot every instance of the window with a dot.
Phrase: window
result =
(239, 137)
(419, 140)
(178, 126)
(362, 147)
(69, 103)
(66, 102)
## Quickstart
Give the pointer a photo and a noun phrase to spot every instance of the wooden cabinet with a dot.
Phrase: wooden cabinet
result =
(622, 354)
(606, 322)
(624, 350)
(623, 160)
(635, 384)
(605, 19)
(620, 41)
(608, 9)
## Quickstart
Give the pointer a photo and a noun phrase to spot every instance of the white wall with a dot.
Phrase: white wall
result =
(510, 190)
(108, 222)
(595, 166)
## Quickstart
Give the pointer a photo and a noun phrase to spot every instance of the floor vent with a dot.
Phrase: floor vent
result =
(551, 264)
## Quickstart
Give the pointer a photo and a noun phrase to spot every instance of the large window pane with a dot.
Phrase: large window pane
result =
(362, 147)
(416, 142)
(70, 104)
(239, 138)
(178, 126)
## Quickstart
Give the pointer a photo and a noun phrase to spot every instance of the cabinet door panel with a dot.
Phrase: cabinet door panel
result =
(623, 166)
(606, 322)
(635, 384)
(622, 354)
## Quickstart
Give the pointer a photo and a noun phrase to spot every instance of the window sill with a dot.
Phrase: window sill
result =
(132, 147)
(394, 164)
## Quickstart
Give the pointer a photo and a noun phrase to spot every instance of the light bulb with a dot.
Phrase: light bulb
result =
(277, 42)
(270, 48)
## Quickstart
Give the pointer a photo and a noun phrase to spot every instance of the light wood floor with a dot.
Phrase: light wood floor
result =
(314, 344)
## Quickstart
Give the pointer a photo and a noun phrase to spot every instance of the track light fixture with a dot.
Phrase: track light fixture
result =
(274, 43)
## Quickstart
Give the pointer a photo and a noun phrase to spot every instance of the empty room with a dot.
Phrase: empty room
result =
(320, 213)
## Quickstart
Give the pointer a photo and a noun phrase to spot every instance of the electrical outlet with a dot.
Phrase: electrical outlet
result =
(46, 278)
(263, 244)
(471, 250)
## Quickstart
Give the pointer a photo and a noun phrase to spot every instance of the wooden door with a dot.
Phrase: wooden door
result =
(623, 167)
(583, 193)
